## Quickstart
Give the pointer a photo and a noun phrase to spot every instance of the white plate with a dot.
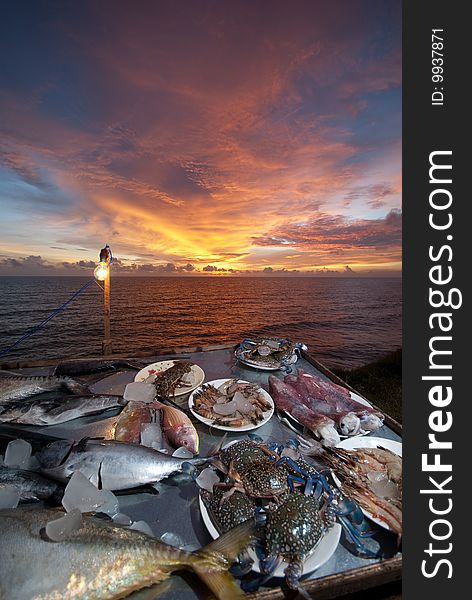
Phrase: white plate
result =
(353, 443)
(256, 365)
(321, 553)
(163, 365)
(210, 422)
(371, 442)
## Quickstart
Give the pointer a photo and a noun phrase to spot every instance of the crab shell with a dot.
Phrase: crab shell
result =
(263, 479)
(294, 529)
(235, 510)
(242, 454)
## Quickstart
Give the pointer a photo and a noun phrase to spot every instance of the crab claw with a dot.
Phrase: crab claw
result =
(268, 566)
(293, 443)
(293, 572)
(352, 510)
(355, 527)
(243, 565)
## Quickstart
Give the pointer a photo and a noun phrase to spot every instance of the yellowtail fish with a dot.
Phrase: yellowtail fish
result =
(104, 561)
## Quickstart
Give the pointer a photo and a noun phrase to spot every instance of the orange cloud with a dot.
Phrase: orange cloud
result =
(239, 138)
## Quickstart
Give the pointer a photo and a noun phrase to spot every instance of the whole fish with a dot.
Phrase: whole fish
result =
(52, 411)
(101, 560)
(131, 420)
(84, 366)
(109, 464)
(17, 387)
(33, 486)
(288, 400)
(178, 428)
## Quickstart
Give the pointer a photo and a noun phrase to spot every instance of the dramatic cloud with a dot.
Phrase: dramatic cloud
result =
(324, 230)
(234, 136)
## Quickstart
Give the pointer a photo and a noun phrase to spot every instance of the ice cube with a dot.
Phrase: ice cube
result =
(80, 493)
(188, 379)
(32, 464)
(207, 479)
(151, 433)
(158, 447)
(182, 452)
(110, 504)
(172, 539)
(17, 453)
(140, 392)
(9, 496)
(143, 527)
(122, 519)
(190, 547)
(60, 529)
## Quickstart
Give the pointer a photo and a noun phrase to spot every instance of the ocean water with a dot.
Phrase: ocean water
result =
(344, 322)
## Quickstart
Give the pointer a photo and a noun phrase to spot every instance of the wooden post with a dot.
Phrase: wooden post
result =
(106, 344)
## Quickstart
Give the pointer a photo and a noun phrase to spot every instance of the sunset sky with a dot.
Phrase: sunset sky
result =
(201, 136)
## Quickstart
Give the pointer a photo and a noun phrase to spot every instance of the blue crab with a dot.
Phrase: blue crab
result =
(292, 532)
(224, 516)
(252, 469)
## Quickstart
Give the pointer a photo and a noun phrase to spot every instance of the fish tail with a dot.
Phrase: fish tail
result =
(212, 562)
(215, 449)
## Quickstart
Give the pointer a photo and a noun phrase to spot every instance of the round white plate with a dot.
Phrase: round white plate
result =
(248, 363)
(163, 365)
(371, 442)
(322, 552)
(256, 365)
(211, 423)
(353, 443)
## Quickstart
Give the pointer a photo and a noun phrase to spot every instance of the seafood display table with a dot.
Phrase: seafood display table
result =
(175, 508)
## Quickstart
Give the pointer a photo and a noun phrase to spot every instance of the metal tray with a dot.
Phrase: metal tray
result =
(175, 508)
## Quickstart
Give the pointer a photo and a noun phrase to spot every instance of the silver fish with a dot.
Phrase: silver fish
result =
(53, 411)
(110, 464)
(33, 486)
(101, 560)
(17, 387)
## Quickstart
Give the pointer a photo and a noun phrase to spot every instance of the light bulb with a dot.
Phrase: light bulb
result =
(100, 272)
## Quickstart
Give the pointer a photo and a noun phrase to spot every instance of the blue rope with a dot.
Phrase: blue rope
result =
(55, 312)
